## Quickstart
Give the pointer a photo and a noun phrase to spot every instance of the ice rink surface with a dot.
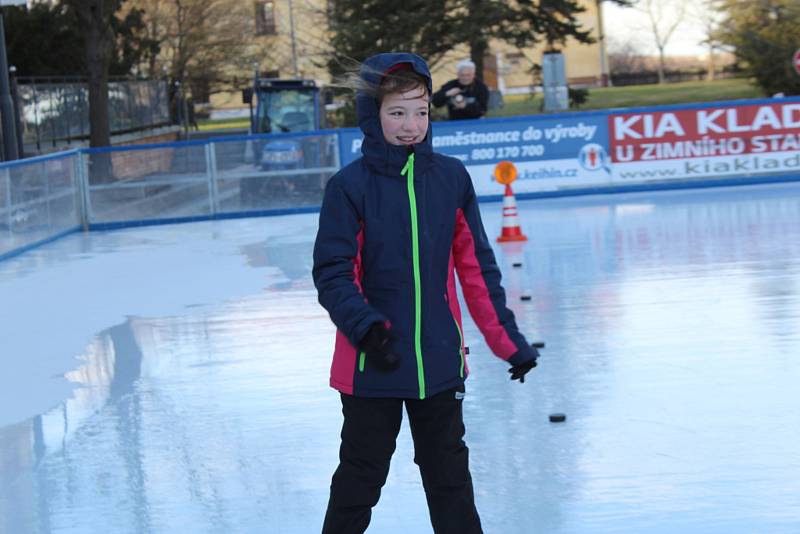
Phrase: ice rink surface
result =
(173, 379)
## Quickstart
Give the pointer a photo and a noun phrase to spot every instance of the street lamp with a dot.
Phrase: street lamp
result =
(15, 99)
(6, 104)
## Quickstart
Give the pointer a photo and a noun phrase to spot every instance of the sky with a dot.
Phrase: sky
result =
(631, 24)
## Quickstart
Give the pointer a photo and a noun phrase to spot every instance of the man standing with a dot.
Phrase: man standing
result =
(466, 97)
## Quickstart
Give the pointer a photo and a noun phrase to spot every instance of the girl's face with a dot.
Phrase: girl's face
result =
(404, 117)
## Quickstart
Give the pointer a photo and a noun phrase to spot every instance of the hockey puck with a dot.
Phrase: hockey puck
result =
(525, 297)
(557, 417)
(517, 264)
(537, 344)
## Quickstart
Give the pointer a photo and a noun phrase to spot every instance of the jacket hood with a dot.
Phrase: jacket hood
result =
(380, 155)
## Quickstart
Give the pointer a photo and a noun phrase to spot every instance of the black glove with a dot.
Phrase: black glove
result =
(518, 372)
(377, 344)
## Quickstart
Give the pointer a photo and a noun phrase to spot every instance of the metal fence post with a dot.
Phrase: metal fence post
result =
(337, 157)
(84, 198)
(211, 171)
(46, 175)
(9, 218)
(83, 111)
(129, 91)
(66, 113)
(36, 118)
(52, 105)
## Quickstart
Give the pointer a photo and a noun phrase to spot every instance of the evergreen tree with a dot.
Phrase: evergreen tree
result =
(43, 40)
(431, 28)
(48, 39)
(362, 28)
(523, 23)
(764, 35)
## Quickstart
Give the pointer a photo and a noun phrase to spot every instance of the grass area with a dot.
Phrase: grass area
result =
(640, 95)
(599, 98)
(221, 124)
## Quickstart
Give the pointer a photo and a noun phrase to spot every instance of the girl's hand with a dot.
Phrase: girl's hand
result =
(377, 345)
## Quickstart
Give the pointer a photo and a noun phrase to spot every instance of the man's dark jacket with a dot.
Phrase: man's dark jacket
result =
(476, 94)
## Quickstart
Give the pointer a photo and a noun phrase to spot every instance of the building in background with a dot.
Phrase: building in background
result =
(509, 69)
(296, 33)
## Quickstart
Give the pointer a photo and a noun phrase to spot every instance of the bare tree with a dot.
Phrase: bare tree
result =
(314, 37)
(624, 56)
(664, 16)
(95, 18)
(212, 40)
(709, 16)
(156, 31)
(605, 77)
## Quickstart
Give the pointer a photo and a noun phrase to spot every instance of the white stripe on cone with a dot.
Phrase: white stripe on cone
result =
(511, 227)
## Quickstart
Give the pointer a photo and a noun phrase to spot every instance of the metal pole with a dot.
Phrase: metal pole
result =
(46, 174)
(15, 98)
(6, 104)
(10, 220)
(150, 106)
(83, 111)
(294, 46)
(36, 117)
(82, 177)
(337, 158)
(211, 169)
(128, 84)
(605, 78)
(51, 102)
(181, 109)
(67, 112)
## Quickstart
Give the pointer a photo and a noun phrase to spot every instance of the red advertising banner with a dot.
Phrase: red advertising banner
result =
(718, 140)
(717, 131)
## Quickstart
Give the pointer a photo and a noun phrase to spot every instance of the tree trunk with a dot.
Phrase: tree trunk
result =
(95, 17)
(712, 67)
(661, 66)
(98, 58)
(477, 49)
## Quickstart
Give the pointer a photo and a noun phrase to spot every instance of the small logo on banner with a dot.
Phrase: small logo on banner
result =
(459, 395)
(593, 157)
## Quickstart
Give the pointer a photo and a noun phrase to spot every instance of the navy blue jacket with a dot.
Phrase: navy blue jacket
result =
(393, 230)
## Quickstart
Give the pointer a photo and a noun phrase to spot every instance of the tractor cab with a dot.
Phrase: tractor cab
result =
(284, 106)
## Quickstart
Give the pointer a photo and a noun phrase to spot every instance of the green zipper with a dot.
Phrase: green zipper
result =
(361, 362)
(412, 201)
(460, 348)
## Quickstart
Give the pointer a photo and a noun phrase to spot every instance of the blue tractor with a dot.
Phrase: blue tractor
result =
(284, 106)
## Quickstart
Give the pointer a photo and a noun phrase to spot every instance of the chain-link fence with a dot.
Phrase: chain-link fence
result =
(55, 111)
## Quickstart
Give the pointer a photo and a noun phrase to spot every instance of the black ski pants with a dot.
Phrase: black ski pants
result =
(369, 434)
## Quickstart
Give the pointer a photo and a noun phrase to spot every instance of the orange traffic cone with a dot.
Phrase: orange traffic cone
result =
(511, 229)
